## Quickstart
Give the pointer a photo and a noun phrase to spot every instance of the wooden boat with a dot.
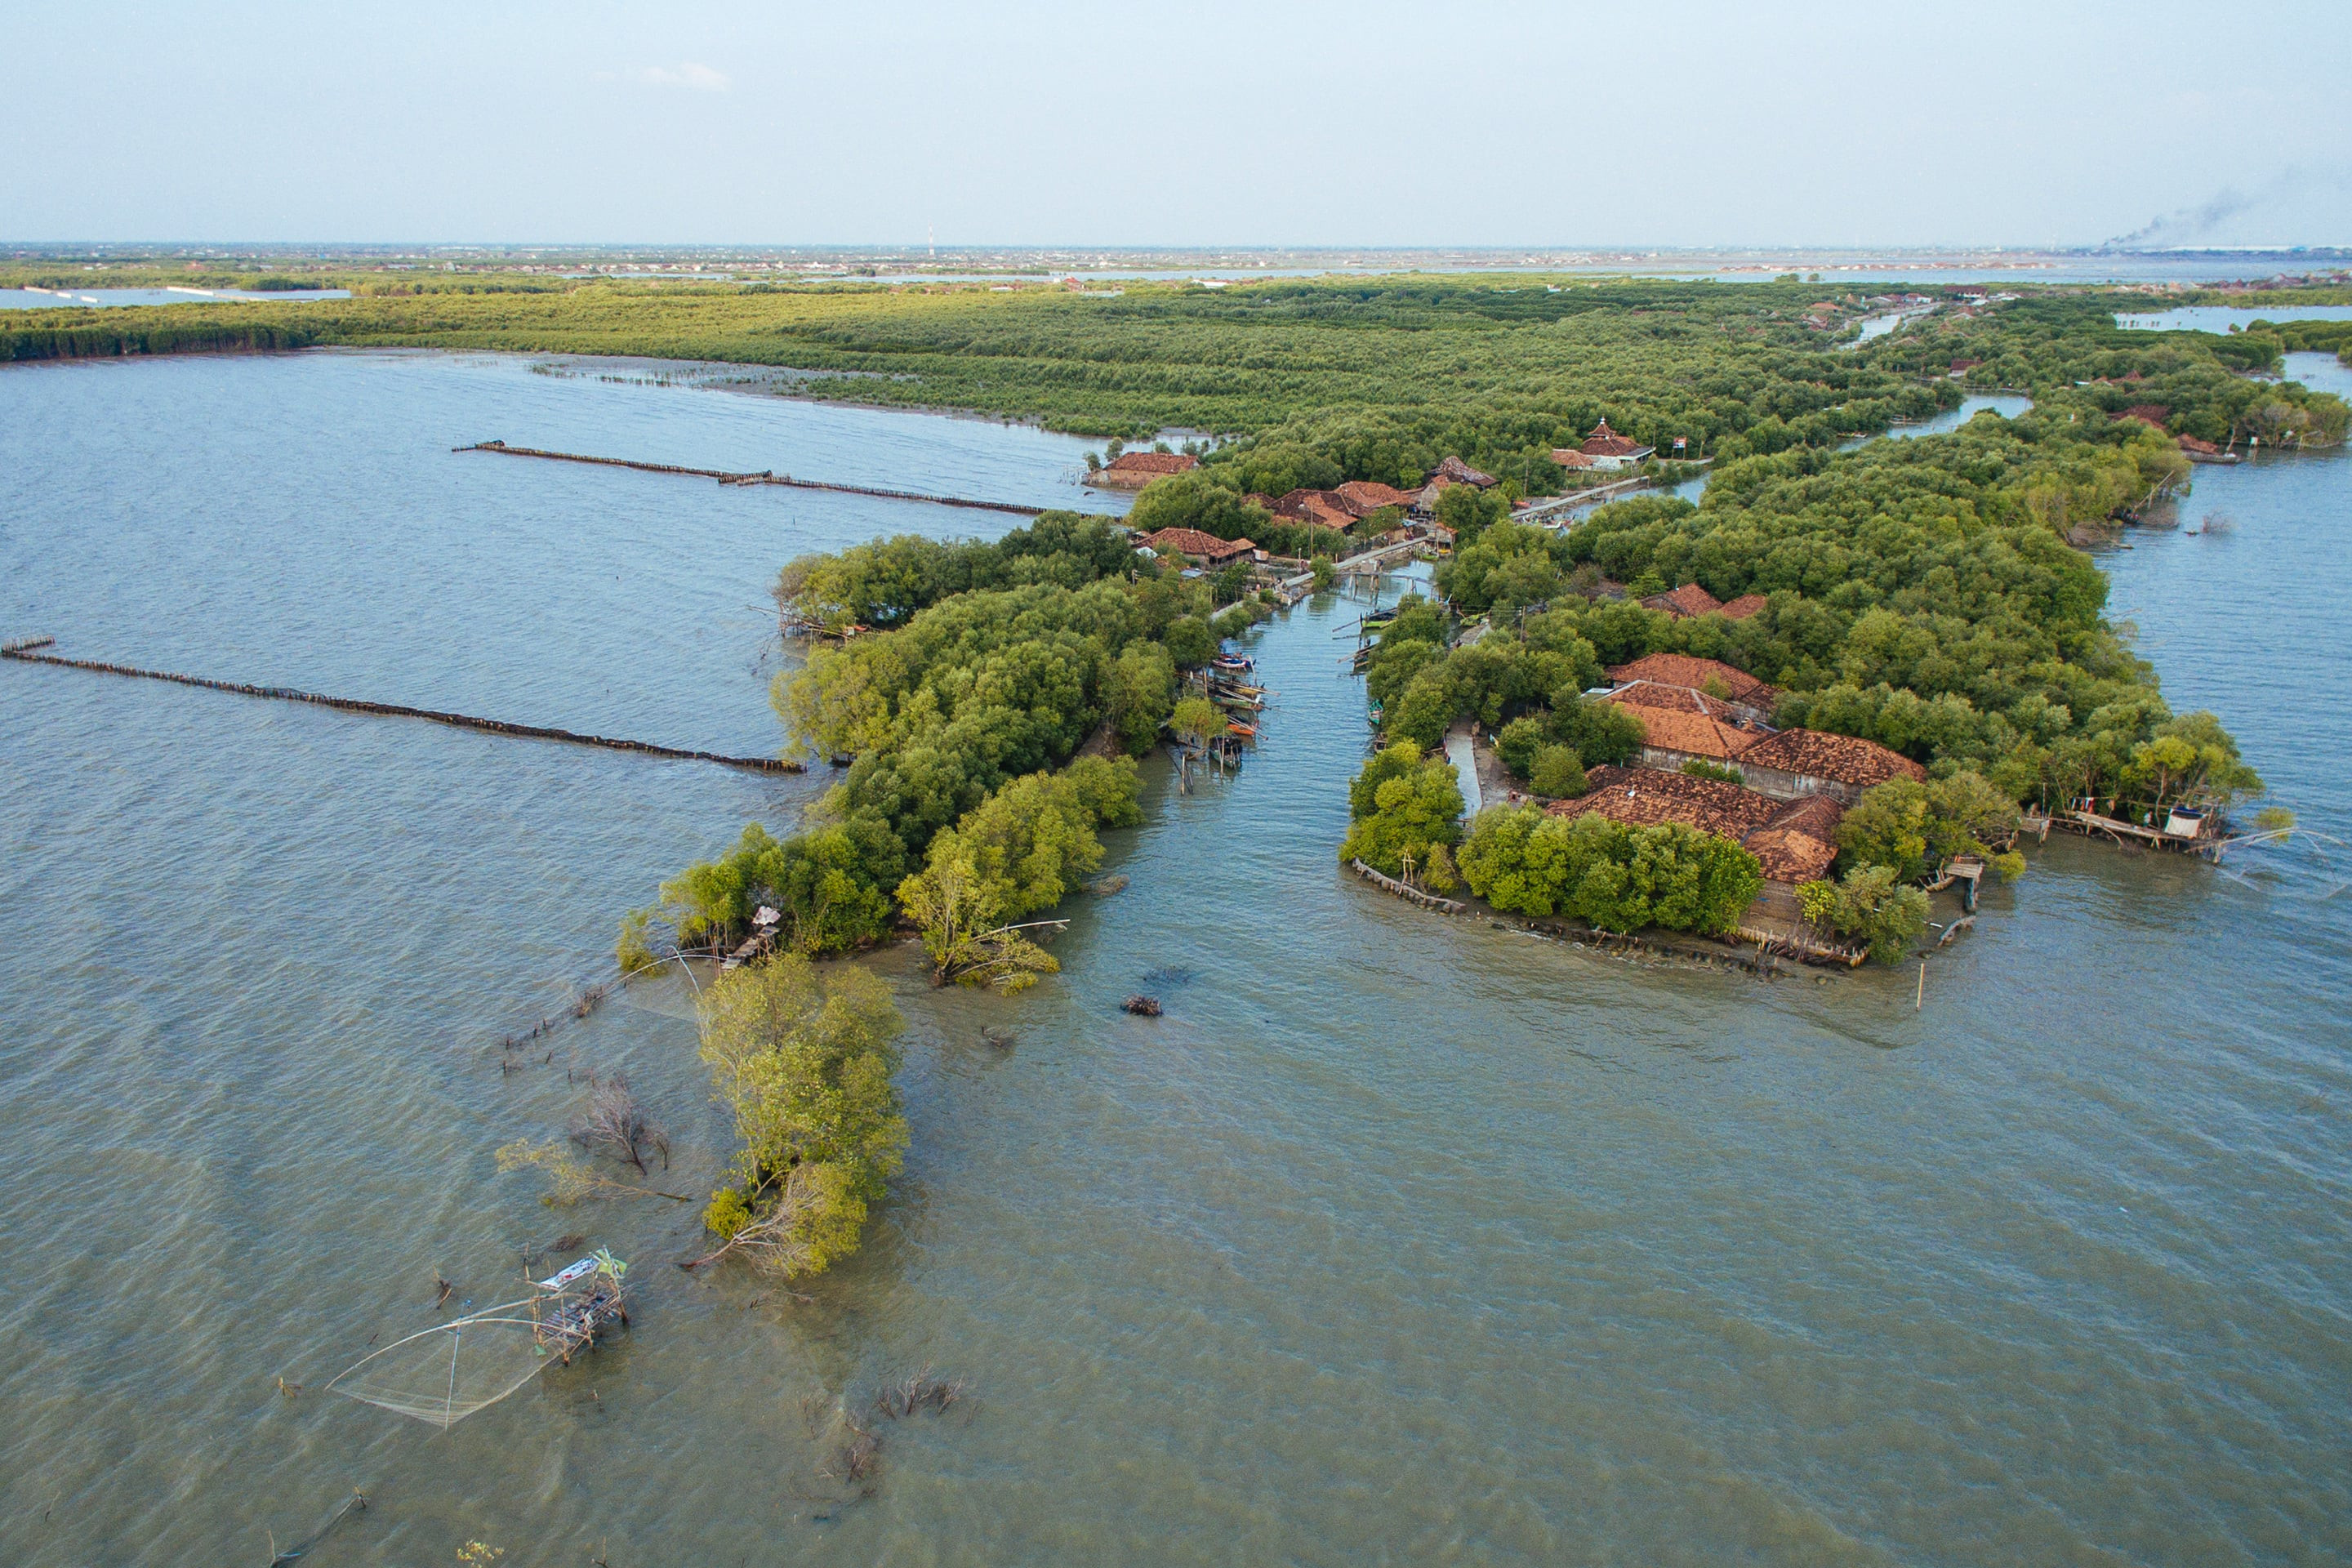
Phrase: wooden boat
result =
(1246, 731)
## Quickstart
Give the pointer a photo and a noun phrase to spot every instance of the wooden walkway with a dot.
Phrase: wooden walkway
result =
(1375, 561)
(28, 652)
(1550, 507)
(728, 477)
(2092, 824)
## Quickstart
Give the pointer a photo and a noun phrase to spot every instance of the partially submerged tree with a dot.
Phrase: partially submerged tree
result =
(617, 1125)
(961, 918)
(1405, 807)
(1871, 906)
(569, 1177)
(804, 1066)
(1911, 827)
(1021, 850)
(1197, 720)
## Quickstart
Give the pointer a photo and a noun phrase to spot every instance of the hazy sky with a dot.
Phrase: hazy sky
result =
(1258, 122)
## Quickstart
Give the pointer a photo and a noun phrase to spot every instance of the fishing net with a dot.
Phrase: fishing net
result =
(449, 1371)
(445, 1374)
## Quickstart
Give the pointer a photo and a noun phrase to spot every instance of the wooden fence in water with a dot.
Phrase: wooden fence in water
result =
(726, 477)
(28, 652)
(1391, 885)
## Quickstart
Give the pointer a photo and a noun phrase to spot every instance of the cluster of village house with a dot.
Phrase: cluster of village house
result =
(1339, 509)
(1796, 783)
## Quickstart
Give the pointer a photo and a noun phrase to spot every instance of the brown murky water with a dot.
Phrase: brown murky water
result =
(1396, 1239)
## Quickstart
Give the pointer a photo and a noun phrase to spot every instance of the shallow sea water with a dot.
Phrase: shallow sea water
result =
(1396, 1239)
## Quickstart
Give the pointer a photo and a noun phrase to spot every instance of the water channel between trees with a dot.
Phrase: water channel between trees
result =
(1396, 1237)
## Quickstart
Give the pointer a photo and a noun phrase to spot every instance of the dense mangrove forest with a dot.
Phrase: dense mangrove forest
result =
(985, 698)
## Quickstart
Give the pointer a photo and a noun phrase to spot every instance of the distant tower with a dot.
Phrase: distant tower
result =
(931, 235)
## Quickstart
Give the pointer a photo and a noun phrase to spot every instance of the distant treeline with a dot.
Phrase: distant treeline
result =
(2305, 337)
(1345, 378)
(152, 333)
(1383, 376)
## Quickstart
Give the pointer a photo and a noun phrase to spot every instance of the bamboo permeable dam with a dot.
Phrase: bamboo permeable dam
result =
(28, 651)
(764, 476)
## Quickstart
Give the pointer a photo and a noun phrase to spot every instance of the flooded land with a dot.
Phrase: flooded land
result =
(1395, 1239)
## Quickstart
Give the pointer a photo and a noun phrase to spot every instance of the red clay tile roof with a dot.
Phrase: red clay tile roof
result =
(1192, 542)
(1682, 669)
(1676, 700)
(1682, 603)
(1679, 730)
(2191, 443)
(1568, 457)
(1817, 815)
(1787, 856)
(1365, 497)
(1644, 797)
(1153, 463)
(2152, 415)
(1744, 605)
(1794, 841)
(1842, 759)
(1323, 508)
(1461, 473)
(1606, 443)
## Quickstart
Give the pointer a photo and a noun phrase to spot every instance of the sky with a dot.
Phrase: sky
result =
(1018, 123)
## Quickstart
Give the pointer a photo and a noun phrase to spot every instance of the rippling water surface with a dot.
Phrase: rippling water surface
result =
(1396, 1239)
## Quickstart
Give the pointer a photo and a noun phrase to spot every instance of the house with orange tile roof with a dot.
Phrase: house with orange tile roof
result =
(1206, 549)
(1451, 472)
(1680, 725)
(1742, 608)
(1365, 497)
(1685, 601)
(1794, 841)
(1796, 763)
(1608, 449)
(1133, 471)
(1316, 509)
(1711, 676)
